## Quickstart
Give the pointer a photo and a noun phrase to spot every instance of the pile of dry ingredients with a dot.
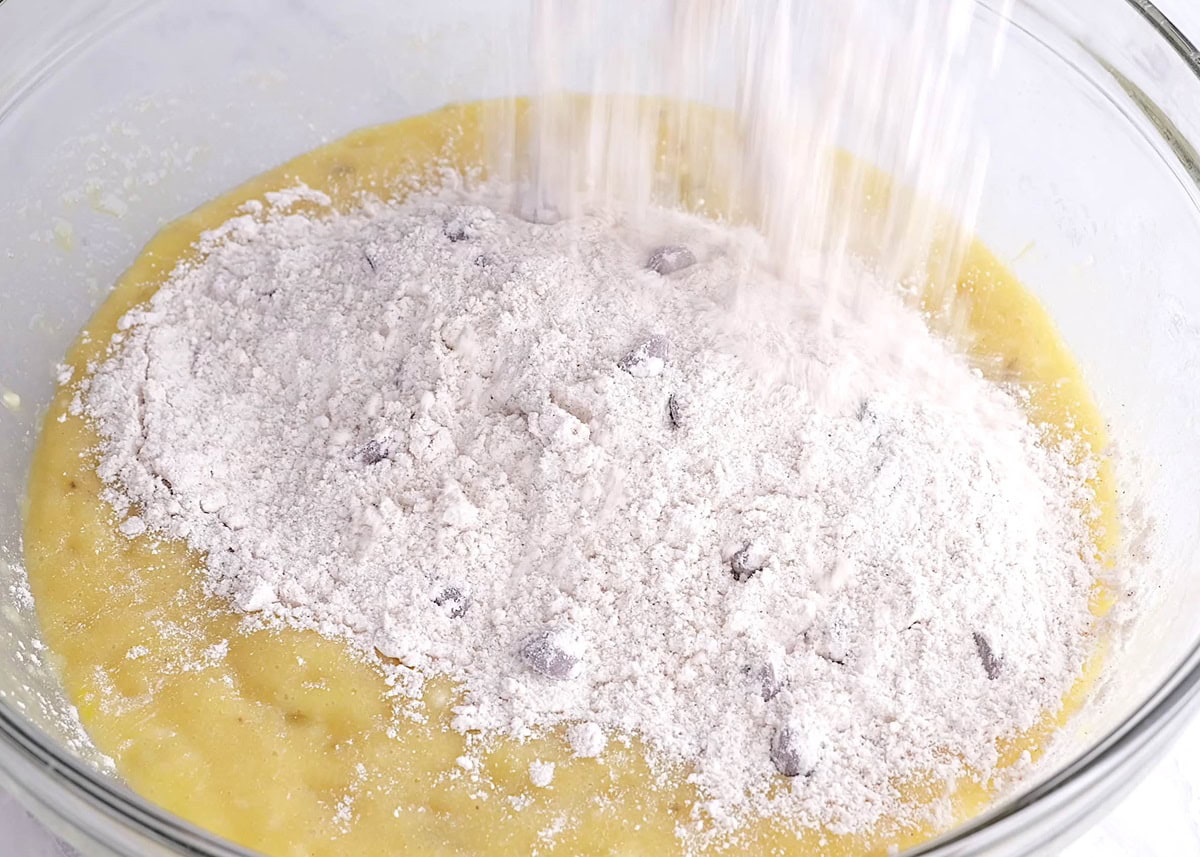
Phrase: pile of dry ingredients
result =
(612, 474)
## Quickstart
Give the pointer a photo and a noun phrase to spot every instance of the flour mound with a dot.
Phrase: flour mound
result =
(737, 517)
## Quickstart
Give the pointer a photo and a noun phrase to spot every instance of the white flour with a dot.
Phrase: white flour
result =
(761, 531)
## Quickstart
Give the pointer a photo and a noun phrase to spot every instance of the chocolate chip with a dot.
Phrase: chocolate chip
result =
(992, 665)
(454, 600)
(675, 411)
(462, 226)
(670, 258)
(648, 358)
(373, 452)
(747, 562)
(552, 653)
(770, 681)
(787, 754)
(765, 679)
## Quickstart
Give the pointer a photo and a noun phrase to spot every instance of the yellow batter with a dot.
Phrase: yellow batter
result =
(286, 742)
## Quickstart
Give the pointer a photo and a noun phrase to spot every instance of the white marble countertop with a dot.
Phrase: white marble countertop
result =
(1159, 818)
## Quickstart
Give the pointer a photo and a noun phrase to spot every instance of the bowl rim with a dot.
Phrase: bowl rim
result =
(1152, 719)
(1171, 700)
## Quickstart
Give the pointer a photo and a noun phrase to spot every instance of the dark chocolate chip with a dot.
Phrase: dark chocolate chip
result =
(648, 358)
(461, 226)
(765, 680)
(770, 682)
(373, 452)
(747, 562)
(675, 411)
(992, 665)
(670, 258)
(455, 600)
(787, 755)
(547, 653)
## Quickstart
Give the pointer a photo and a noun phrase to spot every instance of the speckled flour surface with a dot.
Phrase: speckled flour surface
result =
(611, 472)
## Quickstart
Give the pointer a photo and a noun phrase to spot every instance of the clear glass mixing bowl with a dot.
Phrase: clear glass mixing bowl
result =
(119, 115)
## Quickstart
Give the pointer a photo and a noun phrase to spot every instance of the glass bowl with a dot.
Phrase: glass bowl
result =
(117, 116)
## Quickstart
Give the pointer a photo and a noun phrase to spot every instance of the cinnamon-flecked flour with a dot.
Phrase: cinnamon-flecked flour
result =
(611, 472)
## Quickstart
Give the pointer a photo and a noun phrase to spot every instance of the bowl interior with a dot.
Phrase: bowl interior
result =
(119, 115)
